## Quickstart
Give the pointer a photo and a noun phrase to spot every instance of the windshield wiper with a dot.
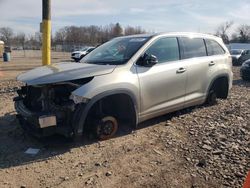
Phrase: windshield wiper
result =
(99, 63)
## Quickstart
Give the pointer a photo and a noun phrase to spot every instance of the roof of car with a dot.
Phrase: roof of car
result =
(189, 34)
(237, 49)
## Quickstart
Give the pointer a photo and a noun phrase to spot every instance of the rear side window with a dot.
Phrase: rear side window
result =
(192, 47)
(165, 49)
(213, 48)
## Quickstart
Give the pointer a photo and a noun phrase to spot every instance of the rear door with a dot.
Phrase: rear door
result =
(194, 56)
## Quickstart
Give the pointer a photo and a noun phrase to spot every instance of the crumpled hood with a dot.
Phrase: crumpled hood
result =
(61, 72)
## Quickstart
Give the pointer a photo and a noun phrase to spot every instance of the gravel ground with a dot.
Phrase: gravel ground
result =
(205, 146)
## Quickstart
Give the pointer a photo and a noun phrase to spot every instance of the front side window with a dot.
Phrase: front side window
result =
(192, 47)
(165, 49)
(213, 48)
(115, 52)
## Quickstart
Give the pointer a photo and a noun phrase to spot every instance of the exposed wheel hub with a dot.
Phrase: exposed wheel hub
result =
(106, 128)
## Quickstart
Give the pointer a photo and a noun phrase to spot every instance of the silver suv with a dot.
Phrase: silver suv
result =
(124, 82)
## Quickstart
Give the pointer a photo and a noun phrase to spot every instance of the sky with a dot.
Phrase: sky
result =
(152, 15)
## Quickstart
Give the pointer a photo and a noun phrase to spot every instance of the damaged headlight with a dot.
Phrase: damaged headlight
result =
(78, 99)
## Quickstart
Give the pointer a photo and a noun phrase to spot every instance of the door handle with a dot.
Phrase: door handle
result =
(181, 70)
(211, 63)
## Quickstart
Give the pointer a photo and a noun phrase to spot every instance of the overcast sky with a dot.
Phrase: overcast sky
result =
(152, 15)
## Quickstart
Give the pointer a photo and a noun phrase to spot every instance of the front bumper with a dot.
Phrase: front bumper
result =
(29, 121)
(76, 57)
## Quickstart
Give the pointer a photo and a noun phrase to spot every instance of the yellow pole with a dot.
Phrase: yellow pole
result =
(46, 30)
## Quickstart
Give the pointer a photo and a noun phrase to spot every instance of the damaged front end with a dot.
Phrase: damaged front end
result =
(47, 109)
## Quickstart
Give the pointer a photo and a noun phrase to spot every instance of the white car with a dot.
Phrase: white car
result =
(78, 55)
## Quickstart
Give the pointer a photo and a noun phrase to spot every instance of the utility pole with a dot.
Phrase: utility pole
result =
(46, 32)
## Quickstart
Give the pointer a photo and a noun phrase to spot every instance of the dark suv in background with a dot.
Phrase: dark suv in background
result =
(239, 56)
(245, 56)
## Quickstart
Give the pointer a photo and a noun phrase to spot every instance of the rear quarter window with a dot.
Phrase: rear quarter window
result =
(214, 48)
(192, 47)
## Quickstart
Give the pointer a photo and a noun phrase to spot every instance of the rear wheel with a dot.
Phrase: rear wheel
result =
(212, 98)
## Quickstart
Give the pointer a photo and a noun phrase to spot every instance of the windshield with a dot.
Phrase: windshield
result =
(235, 52)
(84, 49)
(115, 52)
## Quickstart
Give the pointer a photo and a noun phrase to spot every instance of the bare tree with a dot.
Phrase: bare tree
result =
(73, 36)
(38, 38)
(234, 38)
(244, 33)
(117, 30)
(222, 31)
(129, 30)
(6, 34)
(20, 40)
(60, 36)
(34, 41)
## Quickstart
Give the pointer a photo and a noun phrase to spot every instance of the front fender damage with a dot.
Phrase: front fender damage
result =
(49, 109)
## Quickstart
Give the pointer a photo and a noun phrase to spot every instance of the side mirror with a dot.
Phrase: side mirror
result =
(147, 60)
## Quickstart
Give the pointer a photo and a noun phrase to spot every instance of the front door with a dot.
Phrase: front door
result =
(162, 86)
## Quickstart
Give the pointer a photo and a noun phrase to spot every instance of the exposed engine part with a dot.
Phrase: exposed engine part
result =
(47, 100)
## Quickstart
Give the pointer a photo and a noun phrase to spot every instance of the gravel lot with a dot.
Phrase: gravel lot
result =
(205, 146)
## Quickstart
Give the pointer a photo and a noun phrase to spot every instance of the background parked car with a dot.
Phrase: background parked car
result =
(236, 54)
(245, 70)
(78, 55)
(245, 56)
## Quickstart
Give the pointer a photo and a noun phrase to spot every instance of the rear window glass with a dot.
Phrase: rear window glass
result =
(213, 48)
(192, 47)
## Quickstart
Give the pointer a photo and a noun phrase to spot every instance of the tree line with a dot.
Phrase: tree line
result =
(94, 35)
(69, 35)
(240, 35)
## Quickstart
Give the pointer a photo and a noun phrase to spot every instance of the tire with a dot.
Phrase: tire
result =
(211, 98)
(245, 77)
(77, 60)
(106, 128)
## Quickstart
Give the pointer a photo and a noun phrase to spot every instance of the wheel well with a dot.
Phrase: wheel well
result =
(220, 86)
(121, 106)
